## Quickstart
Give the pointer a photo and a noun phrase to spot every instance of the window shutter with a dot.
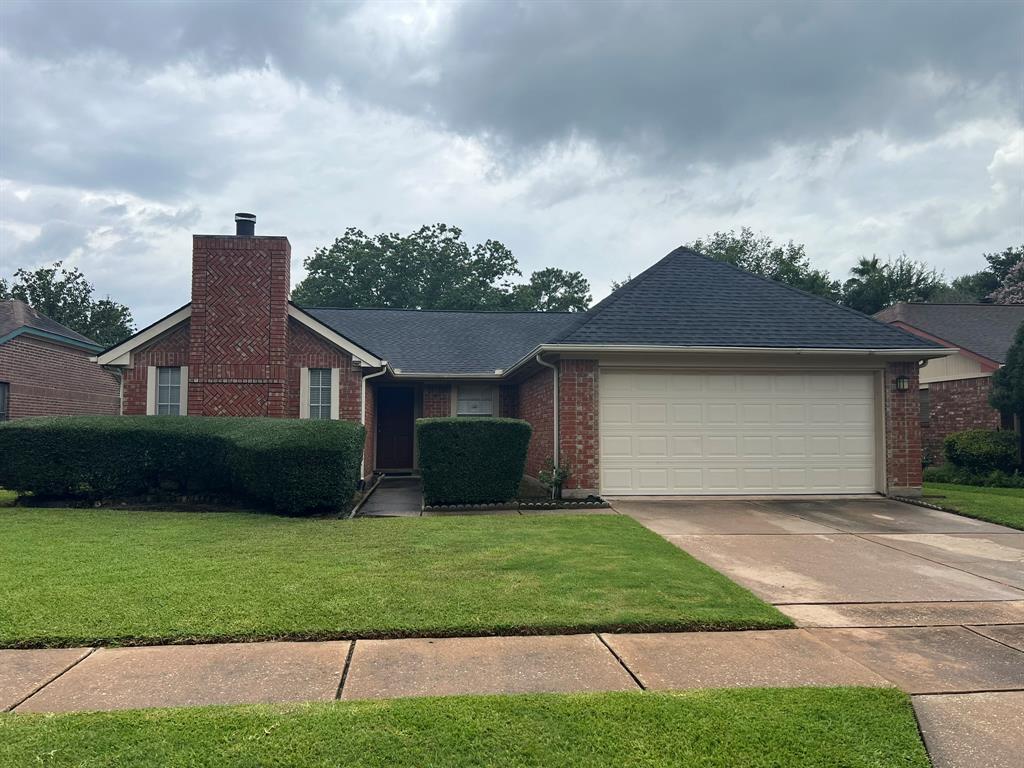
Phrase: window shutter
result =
(151, 390)
(183, 392)
(335, 393)
(304, 393)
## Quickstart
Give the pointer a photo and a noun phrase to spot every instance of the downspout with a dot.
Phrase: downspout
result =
(362, 410)
(554, 405)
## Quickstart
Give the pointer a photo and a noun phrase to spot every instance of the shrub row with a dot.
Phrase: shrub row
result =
(948, 473)
(290, 466)
(471, 460)
(982, 450)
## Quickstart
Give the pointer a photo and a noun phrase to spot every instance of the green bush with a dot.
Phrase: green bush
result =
(948, 473)
(982, 451)
(287, 465)
(471, 460)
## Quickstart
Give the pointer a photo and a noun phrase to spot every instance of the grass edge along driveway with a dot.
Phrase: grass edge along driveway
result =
(754, 728)
(109, 577)
(1002, 506)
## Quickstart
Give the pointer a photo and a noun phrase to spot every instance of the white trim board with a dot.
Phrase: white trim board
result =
(119, 355)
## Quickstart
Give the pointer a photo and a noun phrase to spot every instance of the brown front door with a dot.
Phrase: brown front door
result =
(395, 425)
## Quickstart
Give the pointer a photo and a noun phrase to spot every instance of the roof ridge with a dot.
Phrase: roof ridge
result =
(450, 311)
(616, 296)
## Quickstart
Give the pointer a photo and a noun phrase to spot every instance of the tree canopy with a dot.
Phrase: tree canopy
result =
(65, 295)
(1007, 393)
(432, 268)
(875, 284)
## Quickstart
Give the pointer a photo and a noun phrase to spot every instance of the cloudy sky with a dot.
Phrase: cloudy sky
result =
(592, 136)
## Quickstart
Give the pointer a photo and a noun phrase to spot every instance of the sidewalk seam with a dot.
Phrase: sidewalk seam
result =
(636, 678)
(345, 669)
(60, 674)
(971, 628)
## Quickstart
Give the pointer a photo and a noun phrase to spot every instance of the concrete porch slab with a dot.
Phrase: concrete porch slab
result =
(905, 614)
(998, 556)
(837, 568)
(711, 517)
(24, 671)
(973, 730)
(781, 658)
(479, 665)
(882, 516)
(1007, 634)
(931, 659)
(194, 675)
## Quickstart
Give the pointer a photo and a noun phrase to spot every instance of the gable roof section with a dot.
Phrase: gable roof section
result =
(446, 342)
(17, 318)
(690, 300)
(984, 329)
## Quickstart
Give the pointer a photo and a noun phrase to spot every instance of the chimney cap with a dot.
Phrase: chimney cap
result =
(245, 224)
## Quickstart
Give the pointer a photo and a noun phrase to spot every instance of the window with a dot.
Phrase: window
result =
(5, 395)
(925, 399)
(475, 400)
(319, 393)
(168, 391)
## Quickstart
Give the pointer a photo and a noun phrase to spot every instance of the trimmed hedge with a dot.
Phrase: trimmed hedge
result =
(291, 466)
(471, 460)
(982, 451)
(947, 473)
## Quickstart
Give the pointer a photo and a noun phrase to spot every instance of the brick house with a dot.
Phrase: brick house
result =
(46, 368)
(693, 378)
(955, 389)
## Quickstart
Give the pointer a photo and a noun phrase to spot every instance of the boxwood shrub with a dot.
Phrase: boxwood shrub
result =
(291, 466)
(982, 450)
(471, 460)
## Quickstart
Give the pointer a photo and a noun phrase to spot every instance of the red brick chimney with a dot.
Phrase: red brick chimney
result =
(238, 346)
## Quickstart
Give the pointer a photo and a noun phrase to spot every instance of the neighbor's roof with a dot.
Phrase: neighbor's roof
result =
(17, 317)
(985, 329)
(443, 342)
(690, 300)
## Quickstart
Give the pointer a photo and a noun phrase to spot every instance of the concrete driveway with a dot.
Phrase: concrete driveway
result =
(930, 601)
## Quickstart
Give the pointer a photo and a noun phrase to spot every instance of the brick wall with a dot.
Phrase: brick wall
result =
(536, 395)
(170, 349)
(578, 423)
(54, 380)
(370, 447)
(954, 407)
(307, 350)
(902, 431)
(437, 400)
(238, 349)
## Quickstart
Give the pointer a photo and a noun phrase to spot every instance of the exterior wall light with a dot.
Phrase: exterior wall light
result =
(902, 383)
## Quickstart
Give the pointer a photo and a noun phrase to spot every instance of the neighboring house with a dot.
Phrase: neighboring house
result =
(46, 368)
(693, 378)
(955, 389)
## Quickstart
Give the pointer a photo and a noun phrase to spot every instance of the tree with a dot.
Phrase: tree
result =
(432, 268)
(967, 289)
(1001, 263)
(1007, 394)
(66, 296)
(760, 255)
(1012, 289)
(875, 284)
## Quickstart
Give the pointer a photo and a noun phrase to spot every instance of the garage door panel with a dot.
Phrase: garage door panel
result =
(686, 432)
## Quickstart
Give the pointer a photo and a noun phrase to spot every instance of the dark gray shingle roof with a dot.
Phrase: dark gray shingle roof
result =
(985, 329)
(690, 300)
(16, 314)
(445, 342)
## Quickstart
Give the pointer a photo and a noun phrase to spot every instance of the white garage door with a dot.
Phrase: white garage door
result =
(681, 432)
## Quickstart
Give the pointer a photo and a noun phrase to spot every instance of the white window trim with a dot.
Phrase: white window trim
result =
(335, 393)
(151, 389)
(495, 404)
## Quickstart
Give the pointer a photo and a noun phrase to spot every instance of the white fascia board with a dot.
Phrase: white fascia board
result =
(334, 337)
(926, 353)
(121, 354)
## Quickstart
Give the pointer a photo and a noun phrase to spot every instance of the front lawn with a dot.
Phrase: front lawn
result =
(753, 728)
(1004, 506)
(76, 577)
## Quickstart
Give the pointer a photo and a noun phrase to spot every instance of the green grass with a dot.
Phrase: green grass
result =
(7, 498)
(1004, 506)
(72, 577)
(753, 728)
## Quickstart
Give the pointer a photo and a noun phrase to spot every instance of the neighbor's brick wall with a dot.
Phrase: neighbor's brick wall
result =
(578, 423)
(54, 380)
(956, 406)
(370, 447)
(238, 351)
(902, 431)
(308, 350)
(170, 349)
(536, 396)
(437, 400)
